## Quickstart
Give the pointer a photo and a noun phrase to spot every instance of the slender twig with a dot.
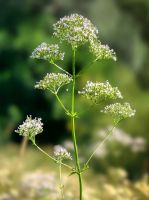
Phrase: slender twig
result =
(87, 67)
(109, 132)
(73, 125)
(61, 184)
(62, 105)
(52, 158)
(61, 69)
(23, 146)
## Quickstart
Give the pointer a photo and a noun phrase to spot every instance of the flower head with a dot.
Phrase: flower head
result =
(38, 183)
(97, 92)
(101, 51)
(75, 29)
(48, 52)
(61, 153)
(53, 82)
(119, 111)
(30, 127)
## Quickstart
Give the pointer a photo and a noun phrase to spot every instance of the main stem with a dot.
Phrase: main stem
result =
(73, 125)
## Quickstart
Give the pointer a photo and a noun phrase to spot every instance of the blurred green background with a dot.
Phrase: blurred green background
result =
(124, 26)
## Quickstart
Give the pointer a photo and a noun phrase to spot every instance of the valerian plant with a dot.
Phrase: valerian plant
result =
(75, 30)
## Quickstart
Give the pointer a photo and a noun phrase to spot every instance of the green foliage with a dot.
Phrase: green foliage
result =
(24, 26)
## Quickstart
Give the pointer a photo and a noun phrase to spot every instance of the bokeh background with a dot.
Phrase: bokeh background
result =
(124, 26)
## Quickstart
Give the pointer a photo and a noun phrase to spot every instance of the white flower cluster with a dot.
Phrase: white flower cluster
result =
(48, 52)
(135, 144)
(119, 111)
(38, 183)
(97, 92)
(101, 152)
(68, 144)
(53, 82)
(75, 29)
(78, 30)
(61, 153)
(6, 196)
(102, 51)
(30, 127)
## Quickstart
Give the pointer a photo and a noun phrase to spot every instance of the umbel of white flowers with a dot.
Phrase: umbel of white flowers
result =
(30, 127)
(48, 52)
(53, 82)
(98, 92)
(60, 153)
(76, 30)
(102, 51)
(119, 111)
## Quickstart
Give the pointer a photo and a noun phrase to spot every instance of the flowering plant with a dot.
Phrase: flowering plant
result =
(76, 30)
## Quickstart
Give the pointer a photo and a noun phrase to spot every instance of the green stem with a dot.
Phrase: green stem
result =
(100, 144)
(62, 105)
(87, 67)
(50, 156)
(73, 125)
(61, 184)
(61, 68)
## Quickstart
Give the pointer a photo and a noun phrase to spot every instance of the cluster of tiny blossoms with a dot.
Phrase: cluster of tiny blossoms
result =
(75, 29)
(78, 30)
(38, 183)
(30, 127)
(61, 153)
(101, 51)
(53, 82)
(48, 52)
(97, 92)
(119, 111)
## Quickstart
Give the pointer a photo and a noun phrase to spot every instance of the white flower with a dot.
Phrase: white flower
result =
(101, 152)
(61, 153)
(39, 183)
(119, 111)
(75, 29)
(97, 92)
(78, 30)
(48, 52)
(7, 196)
(101, 51)
(68, 144)
(138, 145)
(135, 144)
(30, 127)
(53, 82)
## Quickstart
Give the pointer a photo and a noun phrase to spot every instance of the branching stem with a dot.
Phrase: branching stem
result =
(73, 125)
(61, 184)
(87, 67)
(52, 158)
(62, 105)
(61, 68)
(109, 132)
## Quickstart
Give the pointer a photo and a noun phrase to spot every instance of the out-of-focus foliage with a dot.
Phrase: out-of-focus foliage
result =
(122, 24)
(38, 180)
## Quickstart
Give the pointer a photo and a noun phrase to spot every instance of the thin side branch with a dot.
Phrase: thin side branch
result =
(101, 144)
